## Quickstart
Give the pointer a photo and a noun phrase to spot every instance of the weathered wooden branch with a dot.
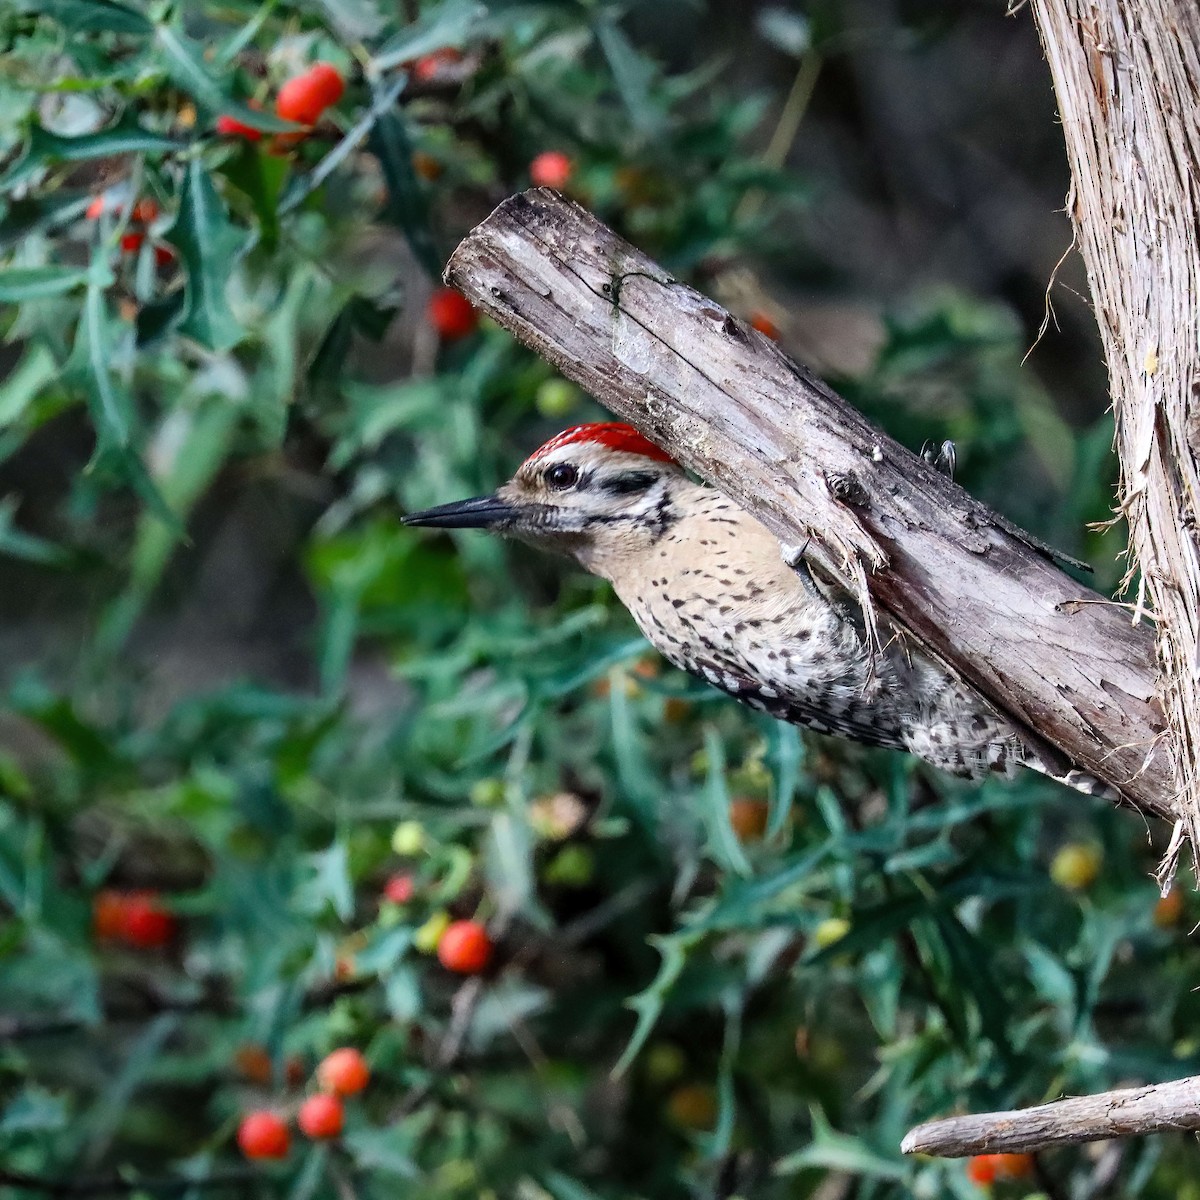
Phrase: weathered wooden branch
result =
(1127, 77)
(1059, 659)
(1156, 1108)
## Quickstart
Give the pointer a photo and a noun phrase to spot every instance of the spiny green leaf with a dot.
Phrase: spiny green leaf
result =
(35, 370)
(18, 544)
(30, 283)
(48, 149)
(209, 243)
(649, 1004)
(787, 758)
(839, 1152)
(111, 404)
(722, 841)
(632, 73)
(90, 16)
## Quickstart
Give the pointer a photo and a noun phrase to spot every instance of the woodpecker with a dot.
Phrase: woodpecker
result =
(714, 592)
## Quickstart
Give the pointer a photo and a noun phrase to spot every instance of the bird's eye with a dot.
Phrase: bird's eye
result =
(562, 476)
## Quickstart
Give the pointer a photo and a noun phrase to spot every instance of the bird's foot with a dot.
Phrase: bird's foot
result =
(940, 458)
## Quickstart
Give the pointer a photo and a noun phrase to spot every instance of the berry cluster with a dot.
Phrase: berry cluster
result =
(264, 1133)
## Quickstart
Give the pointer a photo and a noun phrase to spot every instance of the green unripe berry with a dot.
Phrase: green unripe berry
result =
(408, 838)
(556, 398)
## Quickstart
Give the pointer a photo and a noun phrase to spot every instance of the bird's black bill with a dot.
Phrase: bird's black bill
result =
(480, 512)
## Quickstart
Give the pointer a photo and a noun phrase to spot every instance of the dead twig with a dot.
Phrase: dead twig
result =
(1155, 1108)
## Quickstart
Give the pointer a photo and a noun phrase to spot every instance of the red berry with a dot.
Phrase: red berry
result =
(163, 255)
(304, 98)
(552, 169)
(232, 127)
(430, 66)
(145, 923)
(95, 208)
(131, 243)
(321, 1116)
(343, 1071)
(327, 80)
(399, 889)
(451, 314)
(465, 948)
(263, 1134)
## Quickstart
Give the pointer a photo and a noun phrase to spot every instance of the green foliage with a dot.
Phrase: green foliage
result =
(553, 781)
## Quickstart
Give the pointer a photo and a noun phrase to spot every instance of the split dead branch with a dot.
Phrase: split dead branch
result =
(1056, 657)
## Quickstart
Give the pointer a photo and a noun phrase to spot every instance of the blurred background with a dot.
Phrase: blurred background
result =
(280, 777)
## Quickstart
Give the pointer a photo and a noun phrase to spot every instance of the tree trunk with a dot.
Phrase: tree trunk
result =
(1127, 77)
(1058, 659)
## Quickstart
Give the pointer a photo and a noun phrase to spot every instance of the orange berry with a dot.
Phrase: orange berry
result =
(263, 1134)
(426, 166)
(253, 1063)
(693, 1106)
(232, 127)
(552, 169)
(321, 1116)
(145, 210)
(1169, 908)
(1016, 1166)
(760, 321)
(465, 948)
(748, 818)
(343, 1071)
(430, 65)
(451, 314)
(399, 889)
(145, 923)
(984, 1169)
(108, 913)
(95, 208)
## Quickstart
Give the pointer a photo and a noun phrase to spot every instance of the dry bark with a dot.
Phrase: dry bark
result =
(1127, 78)
(1057, 658)
(1156, 1108)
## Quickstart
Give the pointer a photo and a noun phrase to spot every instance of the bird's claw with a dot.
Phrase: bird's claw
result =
(793, 556)
(941, 458)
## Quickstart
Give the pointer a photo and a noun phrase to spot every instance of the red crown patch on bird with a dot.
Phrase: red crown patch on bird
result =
(616, 435)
